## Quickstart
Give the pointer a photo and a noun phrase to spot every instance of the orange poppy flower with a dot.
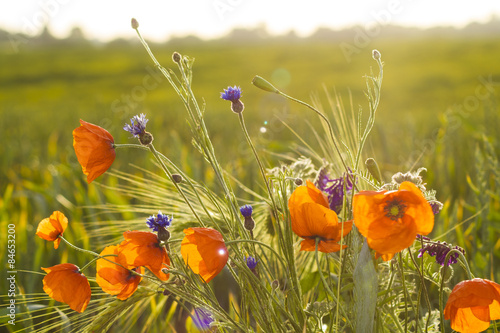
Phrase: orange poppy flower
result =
(391, 220)
(204, 251)
(312, 218)
(94, 148)
(472, 305)
(66, 284)
(52, 227)
(114, 279)
(142, 248)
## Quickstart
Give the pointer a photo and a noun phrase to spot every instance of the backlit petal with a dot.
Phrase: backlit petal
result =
(204, 251)
(64, 283)
(94, 148)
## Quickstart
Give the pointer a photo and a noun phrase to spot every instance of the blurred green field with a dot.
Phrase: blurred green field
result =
(435, 112)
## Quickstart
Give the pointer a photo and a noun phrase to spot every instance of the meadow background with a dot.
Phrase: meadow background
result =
(435, 112)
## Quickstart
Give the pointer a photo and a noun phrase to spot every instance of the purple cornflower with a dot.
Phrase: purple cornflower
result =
(334, 188)
(231, 94)
(439, 250)
(246, 211)
(137, 125)
(251, 262)
(159, 221)
(202, 318)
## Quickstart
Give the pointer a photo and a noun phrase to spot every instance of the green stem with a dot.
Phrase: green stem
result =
(259, 243)
(169, 174)
(424, 288)
(129, 145)
(259, 162)
(77, 248)
(323, 280)
(330, 128)
(400, 262)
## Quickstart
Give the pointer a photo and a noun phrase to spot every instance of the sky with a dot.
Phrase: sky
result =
(161, 19)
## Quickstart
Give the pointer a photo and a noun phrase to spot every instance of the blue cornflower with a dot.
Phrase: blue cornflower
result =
(251, 262)
(231, 94)
(202, 318)
(439, 250)
(246, 211)
(334, 189)
(137, 125)
(160, 220)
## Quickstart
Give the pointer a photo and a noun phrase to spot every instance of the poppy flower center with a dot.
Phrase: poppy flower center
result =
(395, 209)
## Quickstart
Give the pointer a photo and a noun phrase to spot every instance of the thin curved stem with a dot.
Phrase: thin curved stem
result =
(259, 162)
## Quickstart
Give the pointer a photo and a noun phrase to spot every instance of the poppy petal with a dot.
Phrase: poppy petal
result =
(472, 304)
(52, 227)
(114, 279)
(64, 283)
(204, 251)
(142, 248)
(94, 148)
(391, 220)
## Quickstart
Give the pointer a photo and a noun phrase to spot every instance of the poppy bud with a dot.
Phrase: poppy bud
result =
(298, 181)
(372, 167)
(376, 54)
(134, 23)
(177, 178)
(263, 84)
(176, 57)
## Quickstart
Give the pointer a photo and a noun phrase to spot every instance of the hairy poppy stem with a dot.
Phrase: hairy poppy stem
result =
(77, 248)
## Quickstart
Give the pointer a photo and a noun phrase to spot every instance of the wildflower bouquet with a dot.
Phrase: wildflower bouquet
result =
(324, 245)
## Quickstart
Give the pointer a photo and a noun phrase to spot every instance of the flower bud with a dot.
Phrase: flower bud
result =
(374, 170)
(134, 23)
(376, 54)
(298, 181)
(145, 138)
(237, 106)
(263, 84)
(177, 178)
(249, 223)
(176, 57)
(163, 234)
(275, 284)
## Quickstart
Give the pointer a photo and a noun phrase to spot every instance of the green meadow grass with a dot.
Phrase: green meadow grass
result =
(425, 119)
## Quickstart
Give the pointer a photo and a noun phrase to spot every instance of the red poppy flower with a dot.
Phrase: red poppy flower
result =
(312, 218)
(204, 251)
(142, 248)
(472, 305)
(94, 148)
(66, 284)
(391, 220)
(114, 279)
(52, 227)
